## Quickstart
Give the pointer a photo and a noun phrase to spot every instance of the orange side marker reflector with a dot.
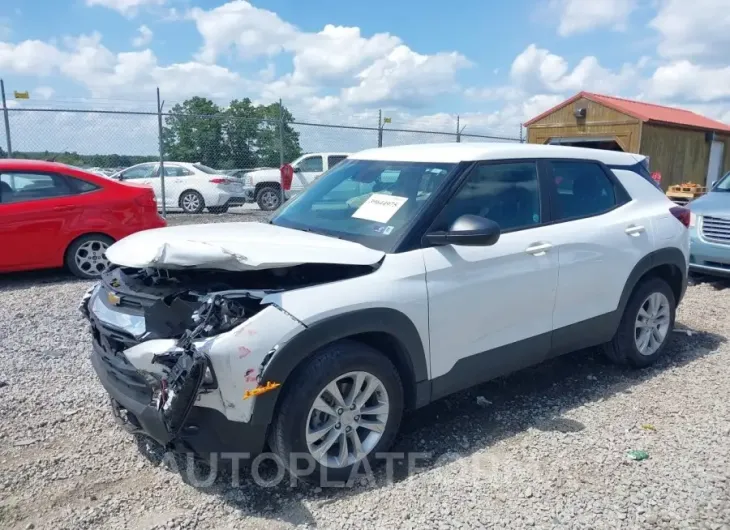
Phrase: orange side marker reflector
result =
(261, 389)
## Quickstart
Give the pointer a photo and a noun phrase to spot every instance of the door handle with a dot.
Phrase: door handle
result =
(635, 230)
(538, 249)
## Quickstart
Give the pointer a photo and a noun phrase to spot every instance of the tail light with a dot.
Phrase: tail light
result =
(287, 175)
(683, 215)
(220, 181)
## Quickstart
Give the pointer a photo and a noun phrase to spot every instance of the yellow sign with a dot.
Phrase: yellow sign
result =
(387, 120)
(22, 95)
(268, 387)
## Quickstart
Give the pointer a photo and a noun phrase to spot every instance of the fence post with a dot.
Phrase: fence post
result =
(380, 128)
(7, 119)
(522, 141)
(162, 151)
(281, 148)
(458, 130)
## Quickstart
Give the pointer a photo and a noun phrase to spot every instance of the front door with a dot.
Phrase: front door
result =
(308, 169)
(490, 308)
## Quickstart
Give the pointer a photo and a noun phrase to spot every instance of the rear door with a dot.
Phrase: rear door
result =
(602, 235)
(34, 210)
(176, 181)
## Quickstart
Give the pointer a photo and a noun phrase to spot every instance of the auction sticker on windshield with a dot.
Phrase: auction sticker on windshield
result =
(380, 207)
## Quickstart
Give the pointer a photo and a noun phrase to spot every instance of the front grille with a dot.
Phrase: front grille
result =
(716, 229)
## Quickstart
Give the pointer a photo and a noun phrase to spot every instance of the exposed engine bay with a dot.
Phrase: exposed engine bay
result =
(132, 306)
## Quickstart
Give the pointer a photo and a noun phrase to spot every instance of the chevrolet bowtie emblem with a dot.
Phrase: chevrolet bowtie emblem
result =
(113, 299)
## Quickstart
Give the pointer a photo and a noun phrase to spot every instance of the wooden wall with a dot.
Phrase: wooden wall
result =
(680, 155)
(600, 121)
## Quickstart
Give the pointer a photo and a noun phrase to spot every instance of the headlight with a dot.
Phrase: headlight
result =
(692, 219)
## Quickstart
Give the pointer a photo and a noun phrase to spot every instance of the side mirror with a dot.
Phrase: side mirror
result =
(467, 230)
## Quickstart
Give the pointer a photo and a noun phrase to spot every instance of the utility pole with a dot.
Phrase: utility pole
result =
(380, 128)
(162, 151)
(7, 119)
(281, 148)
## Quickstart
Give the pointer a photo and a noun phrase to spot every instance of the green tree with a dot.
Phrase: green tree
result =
(193, 132)
(269, 139)
(241, 134)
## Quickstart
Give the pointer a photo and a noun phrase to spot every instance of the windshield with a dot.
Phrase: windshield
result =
(723, 184)
(367, 201)
(206, 169)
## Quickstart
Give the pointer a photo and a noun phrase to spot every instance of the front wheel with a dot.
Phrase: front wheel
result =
(646, 325)
(269, 198)
(345, 406)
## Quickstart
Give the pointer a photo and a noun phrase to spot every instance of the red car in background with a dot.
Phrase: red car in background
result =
(53, 215)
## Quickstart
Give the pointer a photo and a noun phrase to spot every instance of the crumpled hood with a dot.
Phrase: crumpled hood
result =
(235, 247)
(713, 203)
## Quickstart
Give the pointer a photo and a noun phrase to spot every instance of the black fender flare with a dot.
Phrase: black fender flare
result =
(410, 351)
(665, 256)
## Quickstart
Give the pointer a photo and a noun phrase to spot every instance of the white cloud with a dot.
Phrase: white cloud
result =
(239, 26)
(143, 37)
(43, 92)
(128, 8)
(580, 16)
(30, 57)
(536, 69)
(696, 28)
(683, 80)
(368, 70)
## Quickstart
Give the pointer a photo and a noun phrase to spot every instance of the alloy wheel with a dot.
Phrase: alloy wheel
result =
(652, 324)
(270, 199)
(191, 203)
(347, 419)
(90, 257)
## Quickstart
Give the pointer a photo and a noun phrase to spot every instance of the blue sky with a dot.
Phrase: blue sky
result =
(496, 64)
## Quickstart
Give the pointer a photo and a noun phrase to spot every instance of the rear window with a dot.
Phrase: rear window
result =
(640, 169)
(206, 169)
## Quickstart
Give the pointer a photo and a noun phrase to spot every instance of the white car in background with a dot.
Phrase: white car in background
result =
(263, 185)
(189, 187)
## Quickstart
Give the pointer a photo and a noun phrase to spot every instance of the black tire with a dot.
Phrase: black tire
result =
(268, 198)
(86, 270)
(195, 205)
(288, 431)
(218, 209)
(622, 349)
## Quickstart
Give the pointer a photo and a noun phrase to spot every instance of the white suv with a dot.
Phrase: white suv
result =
(443, 266)
(189, 187)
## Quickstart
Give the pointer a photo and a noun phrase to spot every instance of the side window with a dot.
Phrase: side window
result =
(22, 187)
(174, 171)
(311, 164)
(508, 194)
(81, 186)
(140, 172)
(334, 160)
(583, 189)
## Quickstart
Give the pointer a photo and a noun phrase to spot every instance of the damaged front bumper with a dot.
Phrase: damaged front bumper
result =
(186, 393)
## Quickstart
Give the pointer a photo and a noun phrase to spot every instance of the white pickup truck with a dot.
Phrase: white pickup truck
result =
(262, 186)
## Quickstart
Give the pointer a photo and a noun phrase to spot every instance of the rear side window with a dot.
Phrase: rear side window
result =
(334, 160)
(81, 186)
(583, 189)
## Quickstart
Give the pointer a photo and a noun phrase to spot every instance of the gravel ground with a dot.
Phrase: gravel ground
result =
(545, 448)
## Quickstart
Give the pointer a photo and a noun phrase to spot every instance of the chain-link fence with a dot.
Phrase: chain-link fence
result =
(109, 141)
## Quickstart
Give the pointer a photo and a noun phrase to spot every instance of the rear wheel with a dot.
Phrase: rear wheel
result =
(86, 257)
(346, 407)
(268, 198)
(192, 202)
(646, 325)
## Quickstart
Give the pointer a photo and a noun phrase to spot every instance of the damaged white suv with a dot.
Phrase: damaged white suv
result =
(400, 276)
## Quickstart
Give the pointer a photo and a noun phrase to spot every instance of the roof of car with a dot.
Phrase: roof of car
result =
(31, 165)
(470, 152)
